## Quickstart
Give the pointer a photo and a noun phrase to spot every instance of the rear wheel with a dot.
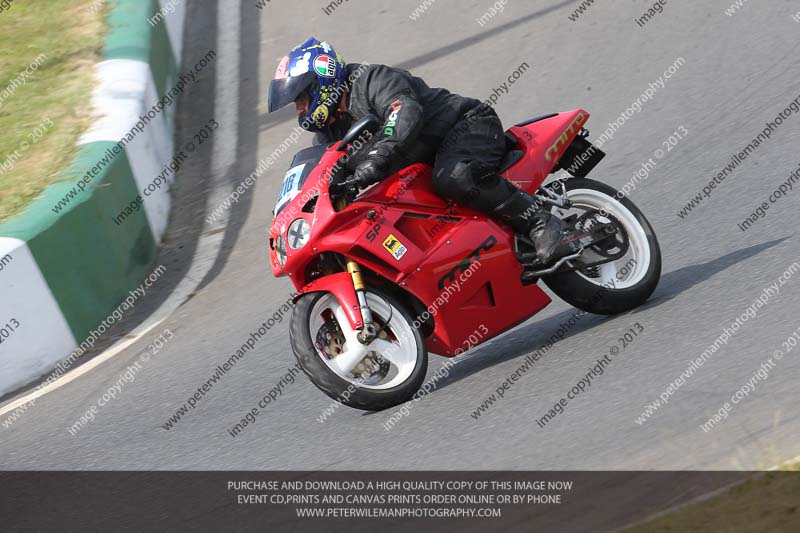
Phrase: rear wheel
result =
(626, 282)
(383, 374)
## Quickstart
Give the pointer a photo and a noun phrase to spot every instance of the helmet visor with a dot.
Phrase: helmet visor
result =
(283, 92)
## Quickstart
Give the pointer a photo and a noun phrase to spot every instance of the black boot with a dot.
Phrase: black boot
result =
(546, 232)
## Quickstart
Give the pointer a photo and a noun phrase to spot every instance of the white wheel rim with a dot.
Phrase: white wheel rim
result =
(629, 269)
(400, 352)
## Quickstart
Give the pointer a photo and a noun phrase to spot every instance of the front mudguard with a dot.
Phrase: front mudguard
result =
(341, 286)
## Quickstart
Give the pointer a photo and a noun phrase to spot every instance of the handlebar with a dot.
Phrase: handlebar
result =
(348, 186)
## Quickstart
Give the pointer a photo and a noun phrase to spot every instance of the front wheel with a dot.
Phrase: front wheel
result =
(387, 372)
(622, 284)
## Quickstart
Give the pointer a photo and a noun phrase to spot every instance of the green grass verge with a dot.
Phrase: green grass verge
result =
(767, 503)
(46, 80)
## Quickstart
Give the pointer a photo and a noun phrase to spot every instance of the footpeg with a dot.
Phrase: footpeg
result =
(530, 275)
(580, 240)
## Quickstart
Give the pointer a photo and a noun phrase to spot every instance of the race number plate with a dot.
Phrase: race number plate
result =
(290, 187)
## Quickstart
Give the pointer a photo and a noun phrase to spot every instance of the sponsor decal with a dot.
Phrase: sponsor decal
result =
(325, 66)
(395, 247)
(392, 122)
(579, 121)
(375, 230)
(465, 263)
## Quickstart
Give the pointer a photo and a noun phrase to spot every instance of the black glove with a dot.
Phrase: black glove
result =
(370, 171)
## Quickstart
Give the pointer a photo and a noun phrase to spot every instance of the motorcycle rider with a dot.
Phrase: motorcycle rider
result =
(461, 137)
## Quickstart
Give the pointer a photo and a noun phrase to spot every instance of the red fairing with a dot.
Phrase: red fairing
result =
(544, 142)
(341, 285)
(459, 263)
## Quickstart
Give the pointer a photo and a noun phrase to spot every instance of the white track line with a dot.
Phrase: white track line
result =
(223, 157)
(78, 372)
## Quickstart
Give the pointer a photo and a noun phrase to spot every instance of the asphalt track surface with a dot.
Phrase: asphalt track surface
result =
(739, 73)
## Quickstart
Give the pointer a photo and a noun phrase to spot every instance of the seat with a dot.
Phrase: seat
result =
(513, 154)
(536, 119)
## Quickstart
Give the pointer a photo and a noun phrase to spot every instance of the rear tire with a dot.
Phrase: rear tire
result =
(410, 369)
(611, 292)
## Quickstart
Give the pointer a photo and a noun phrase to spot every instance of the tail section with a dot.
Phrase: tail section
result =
(552, 142)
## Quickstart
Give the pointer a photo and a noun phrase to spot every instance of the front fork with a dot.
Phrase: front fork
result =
(370, 331)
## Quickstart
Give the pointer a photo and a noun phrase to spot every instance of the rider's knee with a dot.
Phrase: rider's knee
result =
(455, 181)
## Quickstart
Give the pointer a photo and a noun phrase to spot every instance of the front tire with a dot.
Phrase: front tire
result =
(386, 373)
(620, 285)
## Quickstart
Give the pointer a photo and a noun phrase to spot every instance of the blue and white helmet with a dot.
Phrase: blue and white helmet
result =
(314, 68)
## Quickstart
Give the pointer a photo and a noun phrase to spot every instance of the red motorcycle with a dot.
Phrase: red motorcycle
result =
(386, 276)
